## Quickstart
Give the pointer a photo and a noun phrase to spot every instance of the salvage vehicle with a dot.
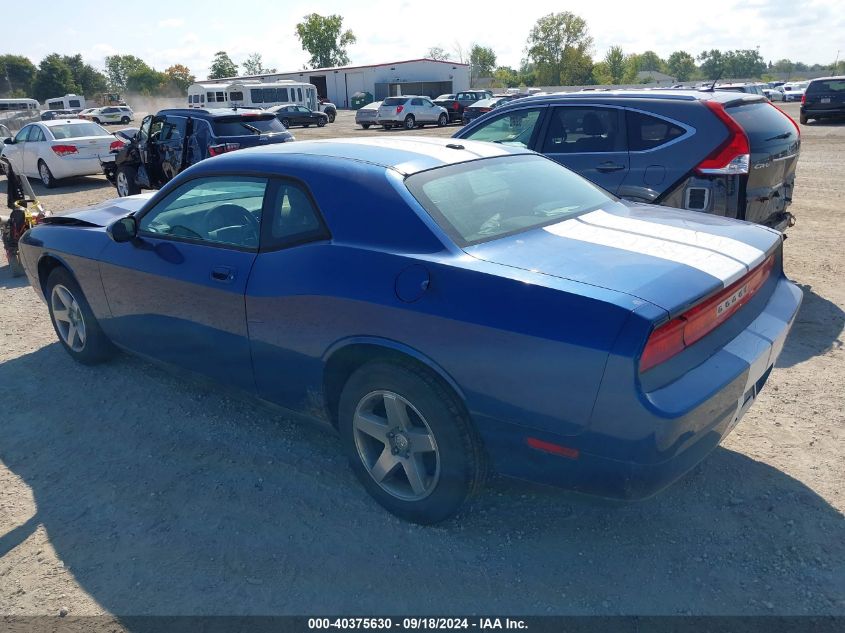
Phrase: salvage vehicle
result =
(450, 306)
(173, 140)
(824, 98)
(53, 150)
(298, 115)
(457, 103)
(725, 153)
(484, 106)
(365, 116)
(410, 112)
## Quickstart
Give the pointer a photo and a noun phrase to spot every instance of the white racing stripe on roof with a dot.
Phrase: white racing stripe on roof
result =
(745, 253)
(724, 268)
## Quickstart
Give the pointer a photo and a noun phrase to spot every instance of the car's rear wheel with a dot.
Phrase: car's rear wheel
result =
(321, 122)
(125, 120)
(46, 175)
(386, 127)
(286, 123)
(74, 322)
(96, 120)
(410, 122)
(803, 119)
(443, 120)
(124, 181)
(409, 441)
(366, 126)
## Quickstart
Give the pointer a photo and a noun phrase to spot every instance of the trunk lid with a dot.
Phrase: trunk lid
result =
(668, 257)
(87, 146)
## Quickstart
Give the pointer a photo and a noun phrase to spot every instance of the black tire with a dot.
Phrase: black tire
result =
(386, 127)
(366, 126)
(96, 348)
(47, 178)
(96, 120)
(130, 188)
(803, 119)
(321, 122)
(459, 452)
(443, 120)
(125, 120)
(409, 122)
(286, 123)
(15, 265)
(332, 115)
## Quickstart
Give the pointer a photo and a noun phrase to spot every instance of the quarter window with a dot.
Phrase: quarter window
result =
(512, 128)
(647, 132)
(294, 218)
(575, 130)
(224, 210)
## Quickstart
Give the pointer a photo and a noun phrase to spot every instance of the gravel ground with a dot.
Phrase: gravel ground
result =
(128, 489)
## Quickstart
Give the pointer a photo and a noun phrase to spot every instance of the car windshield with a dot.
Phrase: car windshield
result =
(487, 199)
(77, 130)
(247, 125)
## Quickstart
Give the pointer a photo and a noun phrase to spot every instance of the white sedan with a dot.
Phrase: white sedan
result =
(52, 150)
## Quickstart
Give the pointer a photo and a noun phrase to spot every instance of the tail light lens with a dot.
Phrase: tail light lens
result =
(222, 148)
(399, 109)
(484, 109)
(116, 145)
(671, 338)
(65, 150)
(803, 98)
(733, 156)
(456, 105)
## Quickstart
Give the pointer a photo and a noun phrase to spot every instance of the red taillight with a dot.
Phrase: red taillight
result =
(554, 449)
(484, 109)
(399, 109)
(116, 145)
(456, 105)
(734, 154)
(64, 150)
(673, 337)
(803, 98)
(222, 148)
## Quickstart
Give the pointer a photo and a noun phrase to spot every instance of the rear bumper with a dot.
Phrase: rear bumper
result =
(817, 112)
(68, 167)
(637, 444)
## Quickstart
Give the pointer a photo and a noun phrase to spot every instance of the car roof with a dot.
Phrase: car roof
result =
(614, 95)
(214, 113)
(407, 155)
(836, 78)
(60, 121)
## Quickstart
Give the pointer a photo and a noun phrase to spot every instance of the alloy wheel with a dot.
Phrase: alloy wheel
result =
(68, 316)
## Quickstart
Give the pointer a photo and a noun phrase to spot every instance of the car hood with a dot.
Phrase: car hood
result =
(103, 213)
(668, 257)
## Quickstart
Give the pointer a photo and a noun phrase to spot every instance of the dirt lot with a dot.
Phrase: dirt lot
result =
(127, 489)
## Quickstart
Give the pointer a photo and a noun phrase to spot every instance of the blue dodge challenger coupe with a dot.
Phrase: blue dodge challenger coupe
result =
(450, 306)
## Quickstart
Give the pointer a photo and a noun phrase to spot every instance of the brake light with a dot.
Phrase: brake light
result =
(399, 109)
(733, 156)
(222, 148)
(456, 105)
(803, 98)
(484, 109)
(64, 150)
(671, 338)
(116, 145)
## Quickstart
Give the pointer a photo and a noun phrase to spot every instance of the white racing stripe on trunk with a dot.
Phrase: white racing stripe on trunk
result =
(745, 253)
(724, 268)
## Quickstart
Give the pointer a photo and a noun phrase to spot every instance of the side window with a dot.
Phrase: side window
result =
(512, 128)
(416, 102)
(282, 94)
(647, 132)
(299, 94)
(236, 95)
(575, 130)
(22, 136)
(224, 210)
(294, 218)
(210, 97)
(36, 134)
(257, 95)
(427, 103)
(174, 128)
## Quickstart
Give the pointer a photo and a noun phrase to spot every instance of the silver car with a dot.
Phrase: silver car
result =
(410, 112)
(367, 115)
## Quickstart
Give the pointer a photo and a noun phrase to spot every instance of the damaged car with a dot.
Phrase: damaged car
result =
(172, 140)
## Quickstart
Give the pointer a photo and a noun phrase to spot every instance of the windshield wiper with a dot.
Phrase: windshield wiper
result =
(251, 128)
(784, 135)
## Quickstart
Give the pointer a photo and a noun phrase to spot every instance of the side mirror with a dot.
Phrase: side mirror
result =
(9, 141)
(123, 230)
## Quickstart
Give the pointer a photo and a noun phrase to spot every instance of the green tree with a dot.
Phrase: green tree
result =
(614, 61)
(90, 81)
(783, 66)
(254, 65)
(744, 63)
(681, 65)
(53, 79)
(179, 78)
(222, 66)
(325, 40)
(118, 68)
(482, 61)
(435, 52)
(650, 62)
(146, 81)
(559, 45)
(505, 77)
(16, 75)
(712, 63)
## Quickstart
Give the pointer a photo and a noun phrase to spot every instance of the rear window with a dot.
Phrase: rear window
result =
(77, 130)
(763, 123)
(828, 85)
(394, 101)
(487, 199)
(246, 125)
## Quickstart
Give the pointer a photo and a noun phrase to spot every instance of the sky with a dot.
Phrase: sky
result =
(190, 32)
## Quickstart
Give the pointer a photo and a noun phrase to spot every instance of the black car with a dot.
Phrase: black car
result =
(50, 115)
(457, 103)
(823, 98)
(484, 106)
(299, 115)
(173, 140)
(726, 153)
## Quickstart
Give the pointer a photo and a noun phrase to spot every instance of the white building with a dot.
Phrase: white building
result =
(428, 77)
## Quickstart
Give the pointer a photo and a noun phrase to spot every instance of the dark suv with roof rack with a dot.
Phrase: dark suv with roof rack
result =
(172, 140)
(824, 98)
(726, 153)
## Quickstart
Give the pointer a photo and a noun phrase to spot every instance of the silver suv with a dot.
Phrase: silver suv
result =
(410, 112)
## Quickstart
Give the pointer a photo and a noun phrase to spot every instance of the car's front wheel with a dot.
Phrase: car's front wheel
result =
(409, 441)
(46, 175)
(321, 122)
(443, 120)
(74, 322)
(125, 181)
(286, 123)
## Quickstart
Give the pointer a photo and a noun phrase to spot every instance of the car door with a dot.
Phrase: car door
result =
(13, 152)
(519, 127)
(432, 112)
(589, 140)
(34, 146)
(172, 145)
(305, 115)
(176, 293)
